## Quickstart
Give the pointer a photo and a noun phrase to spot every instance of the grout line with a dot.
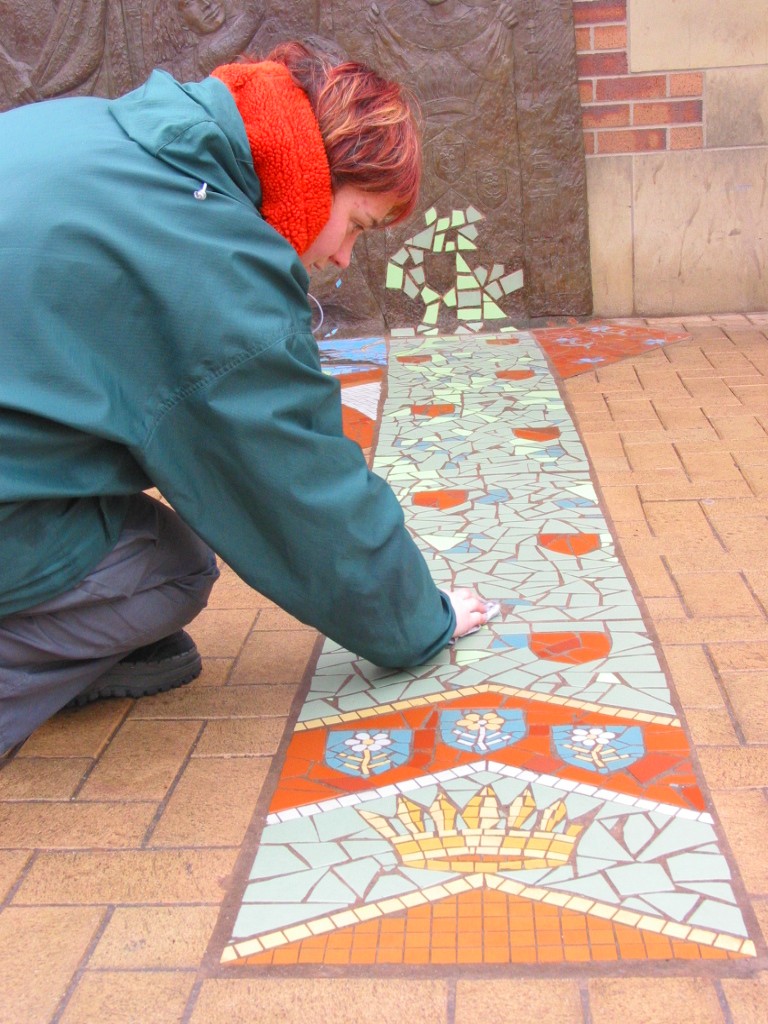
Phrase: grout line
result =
(163, 803)
(450, 1012)
(723, 1001)
(95, 761)
(586, 1007)
(81, 968)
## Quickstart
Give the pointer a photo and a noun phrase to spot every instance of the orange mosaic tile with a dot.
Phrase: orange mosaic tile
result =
(664, 773)
(572, 648)
(514, 374)
(358, 427)
(575, 544)
(537, 433)
(437, 409)
(486, 926)
(579, 347)
(442, 499)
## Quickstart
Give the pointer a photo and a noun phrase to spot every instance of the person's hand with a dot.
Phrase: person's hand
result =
(471, 610)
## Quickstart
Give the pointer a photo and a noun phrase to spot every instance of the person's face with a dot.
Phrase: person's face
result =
(353, 212)
(203, 16)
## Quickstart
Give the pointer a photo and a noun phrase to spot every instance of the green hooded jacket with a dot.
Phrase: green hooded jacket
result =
(148, 338)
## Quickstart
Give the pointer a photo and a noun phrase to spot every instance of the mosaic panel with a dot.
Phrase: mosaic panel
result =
(527, 796)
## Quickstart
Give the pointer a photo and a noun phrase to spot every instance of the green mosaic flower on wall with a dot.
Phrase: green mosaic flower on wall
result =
(476, 292)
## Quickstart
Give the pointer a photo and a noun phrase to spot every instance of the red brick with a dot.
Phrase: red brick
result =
(589, 143)
(611, 37)
(682, 112)
(587, 91)
(686, 85)
(686, 138)
(591, 65)
(636, 87)
(583, 40)
(636, 140)
(606, 116)
(594, 12)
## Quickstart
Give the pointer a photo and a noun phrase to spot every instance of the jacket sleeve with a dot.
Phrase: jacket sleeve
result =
(255, 461)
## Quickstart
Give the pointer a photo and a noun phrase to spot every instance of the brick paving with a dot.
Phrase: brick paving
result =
(122, 822)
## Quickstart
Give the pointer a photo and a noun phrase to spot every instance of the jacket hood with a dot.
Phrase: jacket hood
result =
(194, 127)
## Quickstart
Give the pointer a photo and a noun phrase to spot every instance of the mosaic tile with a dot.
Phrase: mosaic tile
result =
(535, 773)
(577, 348)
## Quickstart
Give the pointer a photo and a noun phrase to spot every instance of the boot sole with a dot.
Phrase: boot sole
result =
(144, 679)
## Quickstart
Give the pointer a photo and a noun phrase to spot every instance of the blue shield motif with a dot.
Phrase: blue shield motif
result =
(482, 730)
(598, 748)
(366, 752)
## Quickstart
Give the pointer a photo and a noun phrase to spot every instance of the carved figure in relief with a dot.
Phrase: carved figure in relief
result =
(108, 47)
(193, 36)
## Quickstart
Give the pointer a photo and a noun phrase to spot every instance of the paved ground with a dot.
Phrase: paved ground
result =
(122, 823)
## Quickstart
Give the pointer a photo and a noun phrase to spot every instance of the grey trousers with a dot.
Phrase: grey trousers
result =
(154, 581)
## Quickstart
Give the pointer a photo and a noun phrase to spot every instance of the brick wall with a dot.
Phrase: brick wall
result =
(625, 112)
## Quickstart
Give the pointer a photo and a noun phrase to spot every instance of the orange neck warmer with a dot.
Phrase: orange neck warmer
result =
(287, 149)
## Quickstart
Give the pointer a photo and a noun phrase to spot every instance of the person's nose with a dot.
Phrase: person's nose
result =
(343, 255)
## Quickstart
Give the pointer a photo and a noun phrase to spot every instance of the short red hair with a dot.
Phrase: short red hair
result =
(367, 122)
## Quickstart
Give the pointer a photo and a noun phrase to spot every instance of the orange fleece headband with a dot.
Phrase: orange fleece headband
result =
(286, 146)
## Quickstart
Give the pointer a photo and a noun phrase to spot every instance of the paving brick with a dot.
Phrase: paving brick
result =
(623, 502)
(758, 583)
(40, 950)
(693, 677)
(713, 594)
(760, 907)
(653, 457)
(78, 733)
(141, 762)
(706, 466)
(218, 702)
(734, 767)
(12, 863)
(651, 576)
(274, 656)
(58, 826)
(665, 608)
(126, 997)
(212, 804)
(678, 519)
(663, 1000)
(710, 726)
(216, 672)
(712, 632)
(232, 592)
(128, 876)
(743, 813)
(738, 427)
(664, 489)
(242, 737)
(740, 657)
(42, 778)
(155, 937)
(297, 1001)
(699, 555)
(520, 1001)
(276, 618)
(748, 695)
(747, 998)
(221, 632)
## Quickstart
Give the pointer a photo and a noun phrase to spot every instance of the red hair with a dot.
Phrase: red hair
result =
(367, 122)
